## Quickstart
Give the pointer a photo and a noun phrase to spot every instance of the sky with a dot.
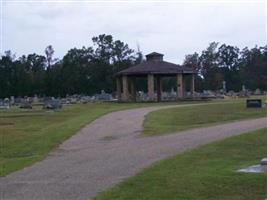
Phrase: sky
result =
(174, 28)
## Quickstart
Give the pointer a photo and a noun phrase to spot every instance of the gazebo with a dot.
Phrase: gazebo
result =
(153, 68)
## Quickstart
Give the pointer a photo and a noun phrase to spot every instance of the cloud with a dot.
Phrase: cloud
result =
(174, 29)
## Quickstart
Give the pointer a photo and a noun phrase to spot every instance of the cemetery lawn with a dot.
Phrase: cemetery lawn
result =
(172, 120)
(205, 173)
(28, 136)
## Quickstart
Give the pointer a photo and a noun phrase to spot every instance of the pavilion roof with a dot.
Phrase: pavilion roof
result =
(159, 67)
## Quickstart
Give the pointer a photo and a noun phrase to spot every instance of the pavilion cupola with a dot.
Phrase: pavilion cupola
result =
(154, 57)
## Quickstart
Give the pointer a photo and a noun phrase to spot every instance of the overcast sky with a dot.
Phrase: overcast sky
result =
(172, 28)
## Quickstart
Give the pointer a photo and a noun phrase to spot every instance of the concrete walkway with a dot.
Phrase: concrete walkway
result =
(105, 152)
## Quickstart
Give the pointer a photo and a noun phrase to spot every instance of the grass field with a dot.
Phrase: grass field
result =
(27, 136)
(181, 118)
(205, 173)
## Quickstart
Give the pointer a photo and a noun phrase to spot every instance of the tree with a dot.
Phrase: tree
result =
(228, 60)
(88, 70)
(104, 46)
(49, 52)
(110, 57)
(228, 56)
(209, 67)
(76, 70)
(193, 61)
(7, 72)
(253, 67)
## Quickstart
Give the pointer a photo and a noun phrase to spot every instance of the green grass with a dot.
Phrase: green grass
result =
(28, 136)
(181, 118)
(205, 173)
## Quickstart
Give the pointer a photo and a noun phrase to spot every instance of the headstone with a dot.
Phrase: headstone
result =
(224, 86)
(6, 100)
(257, 91)
(251, 169)
(85, 99)
(244, 92)
(207, 94)
(18, 101)
(4, 104)
(104, 96)
(93, 98)
(141, 96)
(231, 93)
(264, 164)
(73, 100)
(35, 99)
(40, 99)
(254, 103)
(53, 104)
(264, 161)
(28, 99)
(243, 88)
(64, 101)
(12, 100)
(260, 168)
(25, 105)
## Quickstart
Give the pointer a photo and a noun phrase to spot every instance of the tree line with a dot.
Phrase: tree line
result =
(88, 70)
(218, 63)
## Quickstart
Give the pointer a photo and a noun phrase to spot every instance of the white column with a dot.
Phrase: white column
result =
(125, 94)
(150, 85)
(180, 93)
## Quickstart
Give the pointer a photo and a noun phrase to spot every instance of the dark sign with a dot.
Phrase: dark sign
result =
(254, 103)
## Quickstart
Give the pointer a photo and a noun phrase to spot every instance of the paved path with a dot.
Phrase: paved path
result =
(105, 152)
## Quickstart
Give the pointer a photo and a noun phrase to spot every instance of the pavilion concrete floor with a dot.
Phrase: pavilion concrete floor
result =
(104, 153)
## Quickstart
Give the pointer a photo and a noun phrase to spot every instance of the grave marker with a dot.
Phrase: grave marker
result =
(254, 103)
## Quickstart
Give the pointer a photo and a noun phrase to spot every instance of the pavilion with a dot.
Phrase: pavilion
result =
(153, 68)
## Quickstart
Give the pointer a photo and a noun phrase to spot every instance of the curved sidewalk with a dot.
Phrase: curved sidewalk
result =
(105, 152)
